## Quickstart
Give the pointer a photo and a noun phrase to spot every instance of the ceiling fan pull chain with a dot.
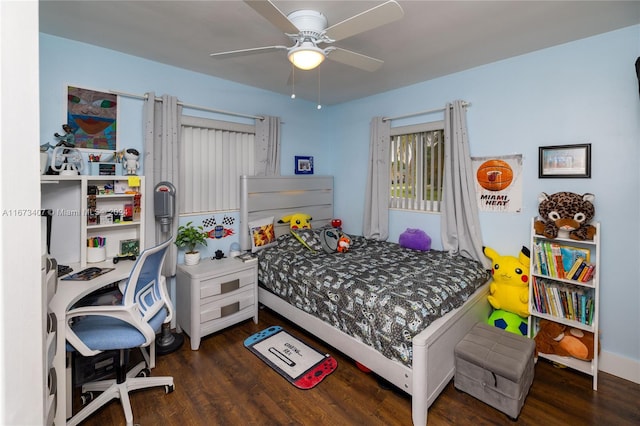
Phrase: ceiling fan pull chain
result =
(293, 81)
(319, 105)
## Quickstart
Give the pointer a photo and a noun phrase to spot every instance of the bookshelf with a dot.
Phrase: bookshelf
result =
(85, 211)
(565, 288)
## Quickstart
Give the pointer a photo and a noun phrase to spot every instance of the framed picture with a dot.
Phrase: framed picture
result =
(91, 121)
(130, 247)
(304, 165)
(564, 161)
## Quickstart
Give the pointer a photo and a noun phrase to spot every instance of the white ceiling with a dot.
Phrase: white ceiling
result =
(434, 38)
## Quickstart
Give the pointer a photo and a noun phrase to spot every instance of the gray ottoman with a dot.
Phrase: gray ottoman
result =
(496, 367)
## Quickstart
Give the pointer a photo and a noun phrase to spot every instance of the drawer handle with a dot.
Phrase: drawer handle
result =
(52, 381)
(230, 286)
(229, 309)
(52, 322)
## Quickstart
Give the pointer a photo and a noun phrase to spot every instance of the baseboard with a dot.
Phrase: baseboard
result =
(619, 366)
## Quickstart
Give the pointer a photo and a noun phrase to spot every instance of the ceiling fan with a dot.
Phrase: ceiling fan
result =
(308, 30)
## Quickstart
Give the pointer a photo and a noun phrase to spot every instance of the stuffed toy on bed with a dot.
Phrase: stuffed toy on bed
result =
(333, 240)
(297, 221)
(415, 239)
(509, 289)
(565, 215)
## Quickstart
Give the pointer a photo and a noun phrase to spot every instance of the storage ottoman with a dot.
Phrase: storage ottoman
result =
(496, 367)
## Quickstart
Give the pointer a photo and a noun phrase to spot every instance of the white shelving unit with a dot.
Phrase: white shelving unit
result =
(50, 324)
(591, 288)
(72, 192)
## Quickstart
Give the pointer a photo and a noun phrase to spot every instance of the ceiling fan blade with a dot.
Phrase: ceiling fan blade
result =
(354, 59)
(271, 13)
(245, 52)
(365, 21)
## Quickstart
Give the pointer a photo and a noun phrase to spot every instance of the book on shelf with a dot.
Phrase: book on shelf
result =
(562, 261)
(578, 271)
(563, 300)
(558, 265)
(589, 275)
(579, 261)
(570, 254)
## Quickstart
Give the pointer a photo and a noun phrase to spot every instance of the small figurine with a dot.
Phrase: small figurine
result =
(68, 139)
(131, 161)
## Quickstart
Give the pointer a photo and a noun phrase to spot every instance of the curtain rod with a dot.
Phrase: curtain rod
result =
(413, 114)
(217, 111)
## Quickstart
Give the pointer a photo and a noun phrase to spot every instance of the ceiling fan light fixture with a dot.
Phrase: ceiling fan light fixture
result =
(306, 56)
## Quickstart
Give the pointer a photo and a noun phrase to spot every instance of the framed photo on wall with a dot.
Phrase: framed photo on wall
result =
(564, 161)
(304, 165)
(92, 117)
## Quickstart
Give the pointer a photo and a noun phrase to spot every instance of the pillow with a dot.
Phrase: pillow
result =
(308, 238)
(329, 238)
(262, 234)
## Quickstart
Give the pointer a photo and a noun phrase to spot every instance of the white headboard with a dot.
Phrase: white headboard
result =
(278, 196)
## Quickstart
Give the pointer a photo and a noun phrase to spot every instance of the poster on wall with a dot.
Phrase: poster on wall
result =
(92, 118)
(499, 183)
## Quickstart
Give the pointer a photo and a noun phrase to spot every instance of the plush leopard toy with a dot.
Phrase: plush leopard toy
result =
(566, 215)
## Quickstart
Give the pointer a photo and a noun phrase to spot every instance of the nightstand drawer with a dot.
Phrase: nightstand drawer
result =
(227, 306)
(226, 283)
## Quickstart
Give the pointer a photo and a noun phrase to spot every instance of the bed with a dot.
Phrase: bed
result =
(293, 277)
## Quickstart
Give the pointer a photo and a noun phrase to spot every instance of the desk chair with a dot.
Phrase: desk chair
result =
(131, 324)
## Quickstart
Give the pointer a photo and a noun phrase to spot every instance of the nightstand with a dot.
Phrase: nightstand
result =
(215, 294)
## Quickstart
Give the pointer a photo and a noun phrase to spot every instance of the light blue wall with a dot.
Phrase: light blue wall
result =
(101, 69)
(585, 91)
(581, 92)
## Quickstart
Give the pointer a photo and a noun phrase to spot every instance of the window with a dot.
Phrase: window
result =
(214, 156)
(417, 165)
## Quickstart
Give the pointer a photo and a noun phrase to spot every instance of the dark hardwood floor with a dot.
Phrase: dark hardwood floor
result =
(225, 384)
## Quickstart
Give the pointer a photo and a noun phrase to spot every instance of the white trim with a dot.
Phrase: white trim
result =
(208, 123)
(417, 128)
(619, 366)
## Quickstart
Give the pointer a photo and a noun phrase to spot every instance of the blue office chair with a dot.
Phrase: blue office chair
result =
(133, 323)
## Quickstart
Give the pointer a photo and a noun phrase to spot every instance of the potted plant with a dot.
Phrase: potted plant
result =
(190, 236)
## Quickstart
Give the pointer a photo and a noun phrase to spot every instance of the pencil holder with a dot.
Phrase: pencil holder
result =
(96, 254)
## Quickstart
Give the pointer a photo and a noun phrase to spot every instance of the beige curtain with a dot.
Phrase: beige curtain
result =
(460, 224)
(267, 146)
(161, 163)
(376, 209)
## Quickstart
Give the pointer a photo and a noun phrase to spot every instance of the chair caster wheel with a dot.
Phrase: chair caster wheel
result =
(145, 372)
(169, 389)
(86, 398)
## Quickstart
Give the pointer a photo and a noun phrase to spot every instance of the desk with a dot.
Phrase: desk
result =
(68, 293)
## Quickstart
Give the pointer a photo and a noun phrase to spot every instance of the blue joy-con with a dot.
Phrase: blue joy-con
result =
(262, 335)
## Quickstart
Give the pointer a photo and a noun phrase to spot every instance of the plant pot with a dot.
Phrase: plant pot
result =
(192, 258)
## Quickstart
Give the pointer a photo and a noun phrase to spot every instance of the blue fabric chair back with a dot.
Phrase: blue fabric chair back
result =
(146, 274)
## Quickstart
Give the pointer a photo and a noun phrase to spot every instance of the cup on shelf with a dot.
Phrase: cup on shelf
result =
(96, 254)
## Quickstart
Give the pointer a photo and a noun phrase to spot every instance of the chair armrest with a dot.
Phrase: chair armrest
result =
(164, 294)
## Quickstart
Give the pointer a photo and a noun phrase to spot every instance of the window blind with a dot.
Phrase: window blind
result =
(214, 156)
(417, 157)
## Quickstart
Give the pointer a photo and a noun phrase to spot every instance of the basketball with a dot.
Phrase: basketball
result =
(494, 175)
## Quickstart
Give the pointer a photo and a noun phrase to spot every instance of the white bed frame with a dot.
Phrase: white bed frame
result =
(433, 358)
